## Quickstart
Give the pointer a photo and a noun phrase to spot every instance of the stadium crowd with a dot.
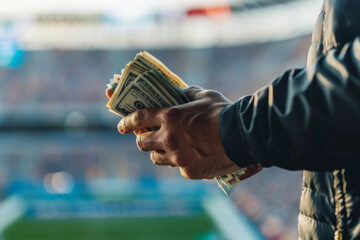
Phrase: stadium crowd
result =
(58, 79)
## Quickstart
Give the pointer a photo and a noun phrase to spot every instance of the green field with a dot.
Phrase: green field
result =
(144, 228)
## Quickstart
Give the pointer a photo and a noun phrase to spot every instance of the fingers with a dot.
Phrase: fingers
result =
(190, 173)
(139, 131)
(198, 93)
(109, 92)
(141, 119)
(159, 157)
(149, 141)
(192, 92)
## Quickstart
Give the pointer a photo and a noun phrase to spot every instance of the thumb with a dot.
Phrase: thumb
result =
(193, 92)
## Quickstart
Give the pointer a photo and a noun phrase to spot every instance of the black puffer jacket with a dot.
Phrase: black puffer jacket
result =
(309, 119)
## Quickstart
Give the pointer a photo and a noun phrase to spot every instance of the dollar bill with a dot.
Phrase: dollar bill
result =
(134, 99)
(156, 90)
(229, 181)
(129, 74)
(174, 91)
(159, 65)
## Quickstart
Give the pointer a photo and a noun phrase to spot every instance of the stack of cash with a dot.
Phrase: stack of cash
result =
(145, 82)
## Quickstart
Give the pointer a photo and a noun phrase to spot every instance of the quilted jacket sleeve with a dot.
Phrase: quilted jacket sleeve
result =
(305, 119)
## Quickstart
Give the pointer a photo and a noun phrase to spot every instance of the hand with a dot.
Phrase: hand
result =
(188, 135)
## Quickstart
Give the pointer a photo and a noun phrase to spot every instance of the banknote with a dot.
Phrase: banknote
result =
(155, 90)
(134, 99)
(129, 74)
(159, 65)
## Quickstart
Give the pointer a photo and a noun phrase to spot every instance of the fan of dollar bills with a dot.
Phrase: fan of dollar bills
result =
(145, 82)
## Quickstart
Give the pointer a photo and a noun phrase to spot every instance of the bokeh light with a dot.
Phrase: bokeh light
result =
(58, 183)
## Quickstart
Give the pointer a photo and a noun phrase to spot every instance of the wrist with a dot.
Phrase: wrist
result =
(231, 137)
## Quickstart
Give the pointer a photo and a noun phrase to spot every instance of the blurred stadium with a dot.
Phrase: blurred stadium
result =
(65, 172)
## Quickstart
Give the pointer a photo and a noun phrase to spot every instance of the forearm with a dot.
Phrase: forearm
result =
(306, 119)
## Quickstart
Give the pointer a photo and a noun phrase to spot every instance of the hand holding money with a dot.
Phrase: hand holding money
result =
(182, 129)
(187, 136)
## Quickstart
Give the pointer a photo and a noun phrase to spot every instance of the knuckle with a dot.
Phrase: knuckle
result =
(169, 141)
(137, 118)
(152, 157)
(210, 94)
(192, 92)
(171, 114)
(193, 89)
(156, 162)
(139, 143)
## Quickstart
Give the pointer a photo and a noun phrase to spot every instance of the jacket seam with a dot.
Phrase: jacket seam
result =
(315, 220)
(312, 190)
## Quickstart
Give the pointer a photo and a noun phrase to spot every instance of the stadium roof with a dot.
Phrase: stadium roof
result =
(18, 7)
(120, 24)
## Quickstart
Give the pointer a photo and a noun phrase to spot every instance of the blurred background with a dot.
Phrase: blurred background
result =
(65, 172)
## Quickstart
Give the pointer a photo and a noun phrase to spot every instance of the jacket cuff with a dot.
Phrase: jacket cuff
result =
(231, 137)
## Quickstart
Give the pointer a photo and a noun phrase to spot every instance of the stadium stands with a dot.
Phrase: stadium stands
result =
(37, 98)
